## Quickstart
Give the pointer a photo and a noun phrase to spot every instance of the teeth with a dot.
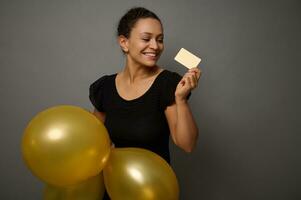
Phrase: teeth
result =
(150, 54)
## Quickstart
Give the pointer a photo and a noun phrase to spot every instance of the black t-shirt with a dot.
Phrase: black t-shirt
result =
(140, 122)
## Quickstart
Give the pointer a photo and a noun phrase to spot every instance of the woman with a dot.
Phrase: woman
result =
(144, 104)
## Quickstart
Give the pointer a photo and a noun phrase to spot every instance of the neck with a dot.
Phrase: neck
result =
(133, 71)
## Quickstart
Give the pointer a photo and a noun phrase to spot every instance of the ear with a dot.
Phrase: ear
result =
(123, 42)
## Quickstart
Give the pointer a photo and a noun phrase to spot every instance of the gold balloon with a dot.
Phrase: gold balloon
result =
(64, 145)
(91, 189)
(138, 174)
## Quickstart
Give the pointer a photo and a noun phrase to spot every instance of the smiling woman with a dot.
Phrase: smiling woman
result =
(145, 45)
(143, 105)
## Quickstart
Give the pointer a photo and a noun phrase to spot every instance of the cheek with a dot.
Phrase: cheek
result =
(139, 46)
(161, 46)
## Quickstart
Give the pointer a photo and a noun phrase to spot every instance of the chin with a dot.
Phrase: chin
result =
(150, 64)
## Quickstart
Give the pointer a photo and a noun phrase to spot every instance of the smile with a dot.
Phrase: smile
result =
(150, 54)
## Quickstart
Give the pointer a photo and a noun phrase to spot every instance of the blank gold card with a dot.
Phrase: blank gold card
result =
(187, 59)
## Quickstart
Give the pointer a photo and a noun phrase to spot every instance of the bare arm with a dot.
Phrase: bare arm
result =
(183, 129)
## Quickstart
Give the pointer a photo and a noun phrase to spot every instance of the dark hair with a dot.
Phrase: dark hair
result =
(128, 21)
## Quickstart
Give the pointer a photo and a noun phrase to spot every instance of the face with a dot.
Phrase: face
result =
(145, 43)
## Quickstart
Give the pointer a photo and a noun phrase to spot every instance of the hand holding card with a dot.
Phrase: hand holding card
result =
(191, 77)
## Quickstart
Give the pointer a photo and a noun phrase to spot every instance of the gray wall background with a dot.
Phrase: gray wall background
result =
(246, 105)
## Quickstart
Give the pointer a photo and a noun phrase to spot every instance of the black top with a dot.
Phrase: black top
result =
(140, 122)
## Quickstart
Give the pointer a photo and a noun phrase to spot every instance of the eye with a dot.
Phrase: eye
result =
(160, 40)
(145, 39)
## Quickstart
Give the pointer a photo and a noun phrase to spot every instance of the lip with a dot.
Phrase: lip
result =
(151, 55)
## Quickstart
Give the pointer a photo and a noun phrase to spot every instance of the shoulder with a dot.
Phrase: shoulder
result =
(103, 83)
(99, 89)
(169, 77)
(103, 79)
(167, 72)
(168, 81)
(167, 85)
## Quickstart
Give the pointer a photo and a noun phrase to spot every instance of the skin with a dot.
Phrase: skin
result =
(142, 49)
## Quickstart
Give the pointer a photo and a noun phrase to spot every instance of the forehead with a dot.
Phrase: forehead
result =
(148, 25)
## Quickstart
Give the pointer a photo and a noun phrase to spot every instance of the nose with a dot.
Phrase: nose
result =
(154, 44)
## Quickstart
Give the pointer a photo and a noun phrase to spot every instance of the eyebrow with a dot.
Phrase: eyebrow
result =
(148, 33)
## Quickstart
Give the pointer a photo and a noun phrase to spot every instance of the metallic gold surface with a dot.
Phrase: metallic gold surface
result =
(138, 174)
(64, 145)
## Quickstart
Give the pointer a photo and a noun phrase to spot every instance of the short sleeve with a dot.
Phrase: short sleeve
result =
(96, 93)
(169, 88)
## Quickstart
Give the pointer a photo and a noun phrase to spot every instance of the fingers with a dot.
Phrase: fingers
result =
(197, 71)
(191, 79)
